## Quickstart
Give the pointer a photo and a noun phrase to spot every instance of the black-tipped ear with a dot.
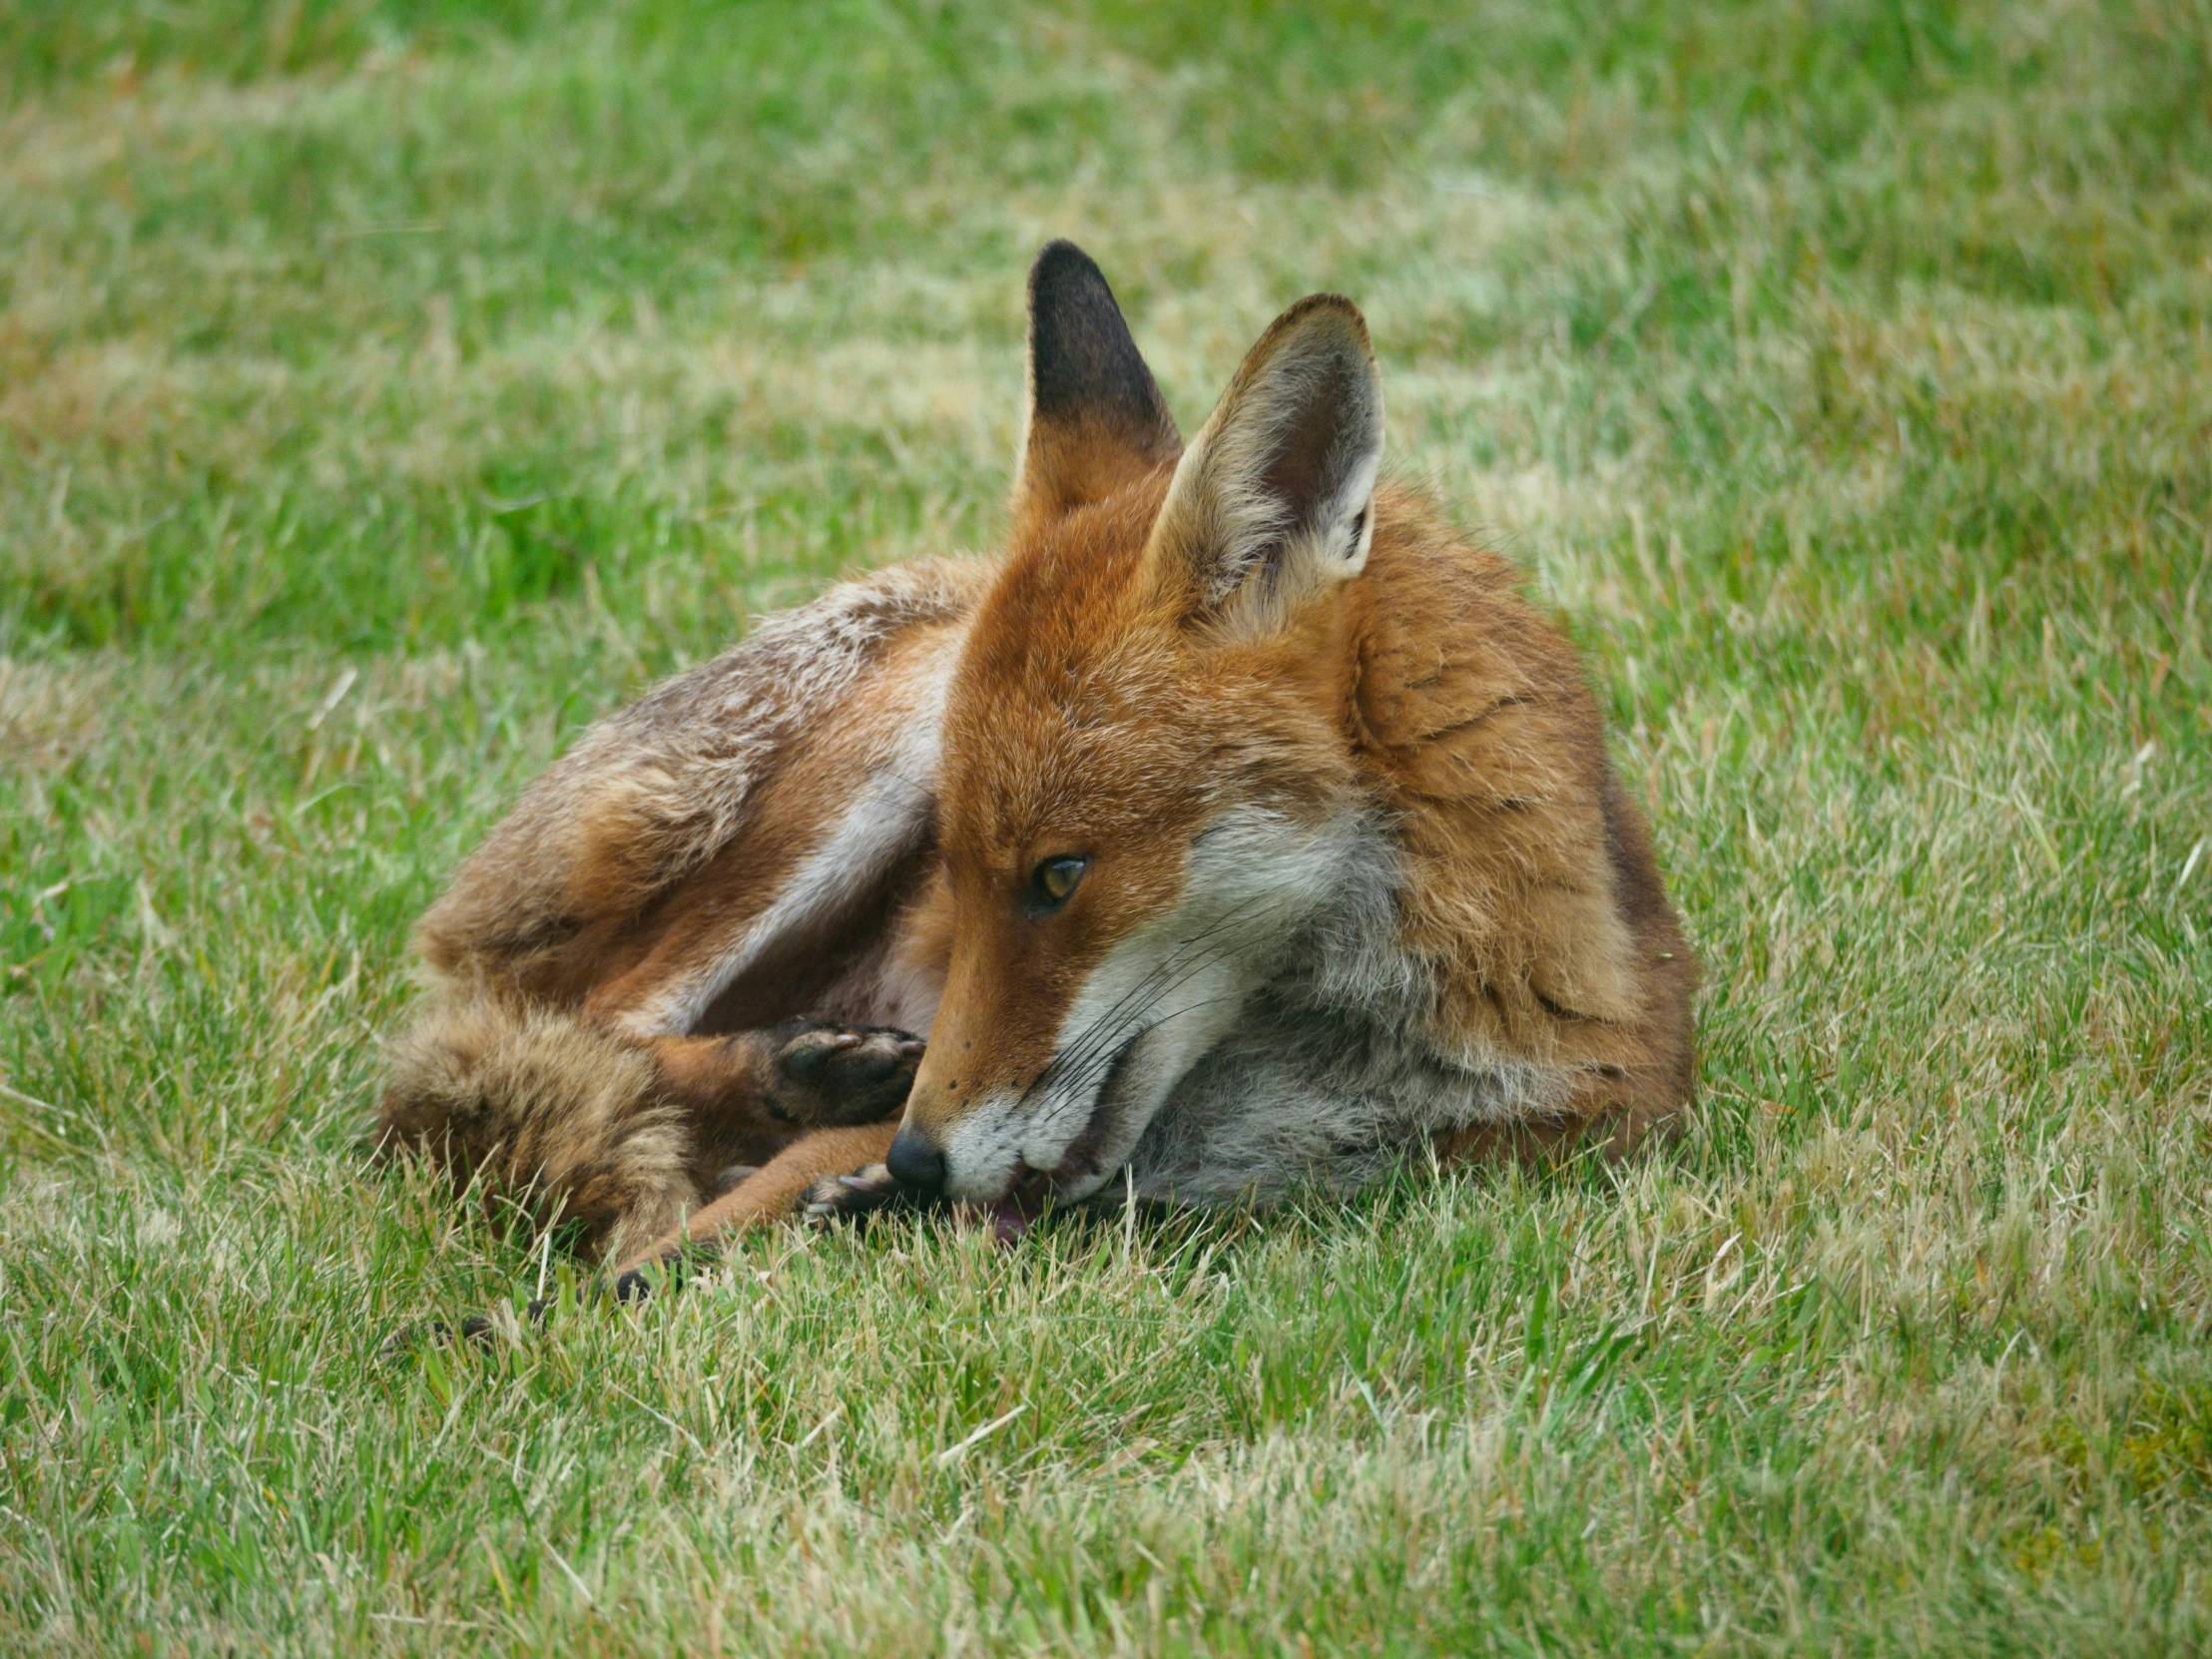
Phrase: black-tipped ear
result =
(1273, 502)
(1096, 418)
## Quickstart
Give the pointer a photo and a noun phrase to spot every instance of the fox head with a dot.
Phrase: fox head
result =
(1146, 786)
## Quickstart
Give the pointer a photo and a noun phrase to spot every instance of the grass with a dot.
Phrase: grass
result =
(386, 387)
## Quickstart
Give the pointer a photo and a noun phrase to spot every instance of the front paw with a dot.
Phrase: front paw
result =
(852, 1196)
(826, 1075)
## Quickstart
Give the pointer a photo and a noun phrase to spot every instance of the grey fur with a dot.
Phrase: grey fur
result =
(1321, 1078)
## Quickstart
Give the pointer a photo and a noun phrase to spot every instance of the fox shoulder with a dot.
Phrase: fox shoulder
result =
(1481, 729)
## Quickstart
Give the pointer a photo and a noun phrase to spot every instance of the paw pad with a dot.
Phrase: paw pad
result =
(827, 1074)
(846, 1197)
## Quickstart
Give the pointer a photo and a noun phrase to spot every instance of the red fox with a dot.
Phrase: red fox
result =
(1241, 827)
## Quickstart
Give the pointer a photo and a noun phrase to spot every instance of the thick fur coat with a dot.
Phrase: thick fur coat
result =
(1240, 827)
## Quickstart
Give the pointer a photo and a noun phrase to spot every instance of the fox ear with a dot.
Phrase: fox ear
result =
(1275, 498)
(1096, 418)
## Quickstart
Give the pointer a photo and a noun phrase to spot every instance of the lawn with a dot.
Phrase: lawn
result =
(388, 388)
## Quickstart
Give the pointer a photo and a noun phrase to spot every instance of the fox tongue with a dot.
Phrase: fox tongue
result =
(1011, 1215)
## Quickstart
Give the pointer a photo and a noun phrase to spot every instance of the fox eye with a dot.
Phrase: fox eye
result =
(1051, 882)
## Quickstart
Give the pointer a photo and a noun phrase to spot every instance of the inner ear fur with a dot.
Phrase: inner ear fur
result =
(1273, 500)
(1096, 419)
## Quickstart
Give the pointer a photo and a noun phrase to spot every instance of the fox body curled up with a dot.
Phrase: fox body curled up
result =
(1239, 828)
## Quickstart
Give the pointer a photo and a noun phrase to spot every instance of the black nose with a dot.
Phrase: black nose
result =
(915, 1162)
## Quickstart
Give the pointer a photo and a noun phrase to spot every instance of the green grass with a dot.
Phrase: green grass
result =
(386, 387)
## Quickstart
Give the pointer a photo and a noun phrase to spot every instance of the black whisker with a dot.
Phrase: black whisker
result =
(1110, 1022)
(1076, 1068)
(1102, 1036)
(1106, 1064)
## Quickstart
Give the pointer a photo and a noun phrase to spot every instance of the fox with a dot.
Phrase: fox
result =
(1239, 830)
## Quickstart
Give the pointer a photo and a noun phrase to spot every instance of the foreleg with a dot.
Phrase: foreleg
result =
(773, 1192)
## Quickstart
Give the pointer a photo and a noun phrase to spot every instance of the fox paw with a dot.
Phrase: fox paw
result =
(824, 1075)
(839, 1198)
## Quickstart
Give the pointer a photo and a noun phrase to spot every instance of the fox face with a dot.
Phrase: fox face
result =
(1145, 786)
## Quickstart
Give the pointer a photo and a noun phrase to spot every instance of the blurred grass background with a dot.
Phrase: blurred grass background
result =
(388, 388)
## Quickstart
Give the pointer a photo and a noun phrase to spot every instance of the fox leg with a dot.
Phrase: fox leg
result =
(773, 1192)
(626, 1136)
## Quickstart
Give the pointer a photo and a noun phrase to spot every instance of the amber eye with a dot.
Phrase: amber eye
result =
(1051, 882)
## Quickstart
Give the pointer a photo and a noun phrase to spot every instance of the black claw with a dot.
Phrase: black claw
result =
(633, 1286)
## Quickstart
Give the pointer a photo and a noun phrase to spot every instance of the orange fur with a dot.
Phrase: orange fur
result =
(1355, 876)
